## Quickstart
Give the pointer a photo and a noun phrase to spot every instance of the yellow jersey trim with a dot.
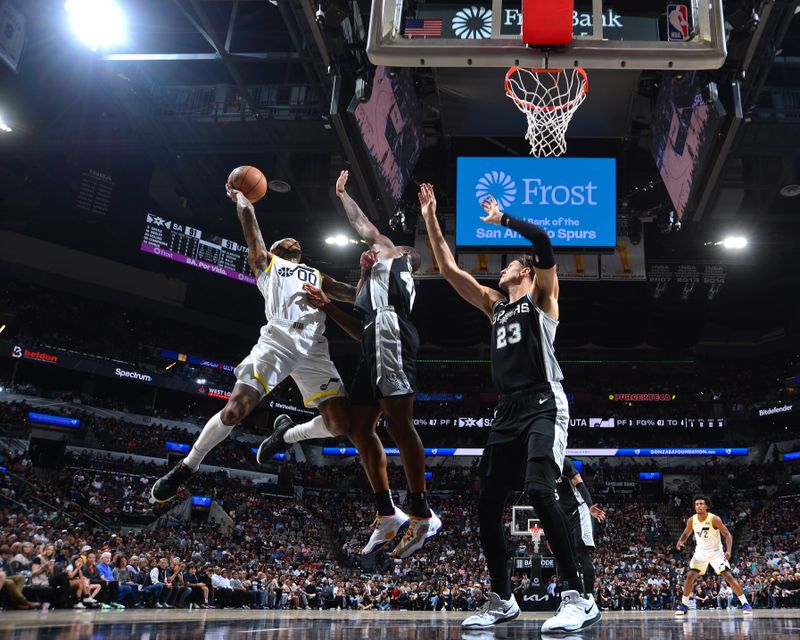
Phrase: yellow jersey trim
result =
(322, 394)
(261, 380)
(269, 266)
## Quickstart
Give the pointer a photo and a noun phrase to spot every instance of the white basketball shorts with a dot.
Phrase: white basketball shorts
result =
(285, 351)
(704, 557)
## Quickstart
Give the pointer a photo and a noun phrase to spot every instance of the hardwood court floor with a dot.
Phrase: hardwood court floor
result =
(783, 624)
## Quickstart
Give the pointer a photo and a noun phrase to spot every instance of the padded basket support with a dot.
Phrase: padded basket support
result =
(547, 23)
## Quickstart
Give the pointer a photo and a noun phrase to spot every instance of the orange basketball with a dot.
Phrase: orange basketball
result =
(250, 181)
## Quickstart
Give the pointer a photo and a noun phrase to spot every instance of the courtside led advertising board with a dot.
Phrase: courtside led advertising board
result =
(573, 199)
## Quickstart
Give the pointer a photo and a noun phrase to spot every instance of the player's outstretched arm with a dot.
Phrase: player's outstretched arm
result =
(352, 326)
(358, 219)
(544, 289)
(716, 521)
(687, 531)
(340, 291)
(257, 254)
(465, 285)
(597, 513)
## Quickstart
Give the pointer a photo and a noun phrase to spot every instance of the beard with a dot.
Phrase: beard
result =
(287, 254)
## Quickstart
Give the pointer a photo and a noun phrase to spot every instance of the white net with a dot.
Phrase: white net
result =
(549, 99)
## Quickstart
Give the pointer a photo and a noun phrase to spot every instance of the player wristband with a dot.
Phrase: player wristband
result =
(584, 493)
(542, 247)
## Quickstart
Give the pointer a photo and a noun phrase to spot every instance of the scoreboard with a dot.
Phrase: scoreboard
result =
(196, 248)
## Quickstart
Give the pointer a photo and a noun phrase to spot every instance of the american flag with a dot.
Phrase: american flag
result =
(430, 27)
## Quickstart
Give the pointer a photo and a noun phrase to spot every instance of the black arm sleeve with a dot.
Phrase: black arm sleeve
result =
(542, 247)
(581, 489)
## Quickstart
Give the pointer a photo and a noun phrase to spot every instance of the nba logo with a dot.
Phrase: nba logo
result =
(677, 22)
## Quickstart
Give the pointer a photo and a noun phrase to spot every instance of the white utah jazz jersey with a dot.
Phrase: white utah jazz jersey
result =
(281, 284)
(706, 535)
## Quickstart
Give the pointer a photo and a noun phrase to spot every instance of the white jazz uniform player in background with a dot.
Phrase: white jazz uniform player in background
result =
(291, 344)
(708, 530)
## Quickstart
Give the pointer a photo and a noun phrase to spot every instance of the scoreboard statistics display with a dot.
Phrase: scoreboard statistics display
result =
(196, 248)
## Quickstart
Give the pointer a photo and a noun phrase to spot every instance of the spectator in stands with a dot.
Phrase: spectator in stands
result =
(175, 578)
(114, 592)
(128, 588)
(11, 592)
(158, 575)
(46, 576)
(199, 595)
(84, 590)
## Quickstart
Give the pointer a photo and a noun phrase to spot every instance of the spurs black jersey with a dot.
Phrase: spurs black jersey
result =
(568, 496)
(522, 346)
(390, 284)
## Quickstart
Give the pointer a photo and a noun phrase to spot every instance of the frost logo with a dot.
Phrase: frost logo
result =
(498, 184)
(636, 451)
(727, 452)
(473, 23)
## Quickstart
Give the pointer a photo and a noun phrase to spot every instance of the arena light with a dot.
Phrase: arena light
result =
(734, 242)
(4, 127)
(2, 328)
(340, 240)
(99, 24)
(201, 381)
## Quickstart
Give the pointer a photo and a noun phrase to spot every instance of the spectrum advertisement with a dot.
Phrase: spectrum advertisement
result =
(573, 199)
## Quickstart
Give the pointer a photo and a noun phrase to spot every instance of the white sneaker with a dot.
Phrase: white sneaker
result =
(89, 600)
(385, 529)
(495, 611)
(80, 605)
(574, 614)
(419, 530)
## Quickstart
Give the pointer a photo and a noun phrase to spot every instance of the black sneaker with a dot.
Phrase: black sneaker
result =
(275, 443)
(166, 487)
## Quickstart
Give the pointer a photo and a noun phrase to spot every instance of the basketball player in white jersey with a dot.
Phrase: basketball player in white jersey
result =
(291, 344)
(708, 531)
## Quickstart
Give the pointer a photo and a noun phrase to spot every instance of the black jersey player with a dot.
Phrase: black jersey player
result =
(576, 503)
(528, 438)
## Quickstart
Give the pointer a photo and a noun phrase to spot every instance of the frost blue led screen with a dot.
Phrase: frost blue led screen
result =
(573, 199)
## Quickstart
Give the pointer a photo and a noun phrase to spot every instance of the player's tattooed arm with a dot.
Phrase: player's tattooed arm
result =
(336, 290)
(358, 219)
(465, 285)
(257, 254)
(352, 326)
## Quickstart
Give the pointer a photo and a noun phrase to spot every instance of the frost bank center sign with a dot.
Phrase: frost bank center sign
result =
(573, 199)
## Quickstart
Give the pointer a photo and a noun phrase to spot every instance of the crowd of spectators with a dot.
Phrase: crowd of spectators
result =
(303, 551)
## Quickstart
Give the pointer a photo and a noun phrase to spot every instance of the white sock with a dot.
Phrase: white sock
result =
(685, 601)
(212, 434)
(308, 431)
(743, 599)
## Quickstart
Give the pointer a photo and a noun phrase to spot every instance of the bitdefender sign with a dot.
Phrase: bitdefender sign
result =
(573, 199)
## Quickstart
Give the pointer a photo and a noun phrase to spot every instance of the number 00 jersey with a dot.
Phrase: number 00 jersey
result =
(522, 346)
(706, 535)
(281, 284)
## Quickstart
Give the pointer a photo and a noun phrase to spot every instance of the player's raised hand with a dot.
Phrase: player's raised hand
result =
(316, 297)
(427, 200)
(368, 260)
(679, 545)
(341, 182)
(492, 209)
(236, 196)
(597, 513)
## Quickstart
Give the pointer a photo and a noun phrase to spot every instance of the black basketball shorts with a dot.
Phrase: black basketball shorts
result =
(387, 366)
(528, 424)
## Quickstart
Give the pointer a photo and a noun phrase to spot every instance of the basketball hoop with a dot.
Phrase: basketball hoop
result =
(536, 534)
(549, 99)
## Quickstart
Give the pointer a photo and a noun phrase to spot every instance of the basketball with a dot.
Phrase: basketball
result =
(250, 181)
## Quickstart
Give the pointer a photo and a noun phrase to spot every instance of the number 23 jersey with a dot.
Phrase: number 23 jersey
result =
(281, 284)
(522, 346)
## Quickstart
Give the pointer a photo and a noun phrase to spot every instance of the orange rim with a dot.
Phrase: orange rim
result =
(532, 107)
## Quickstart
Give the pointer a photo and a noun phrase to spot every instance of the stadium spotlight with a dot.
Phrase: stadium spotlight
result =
(98, 23)
(4, 126)
(734, 242)
(340, 240)
(201, 381)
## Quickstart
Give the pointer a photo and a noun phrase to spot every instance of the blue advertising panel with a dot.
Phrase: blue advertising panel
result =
(177, 447)
(201, 501)
(56, 421)
(649, 475)
(573, 199)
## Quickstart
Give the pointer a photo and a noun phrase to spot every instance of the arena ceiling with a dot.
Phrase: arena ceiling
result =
(203, 86)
